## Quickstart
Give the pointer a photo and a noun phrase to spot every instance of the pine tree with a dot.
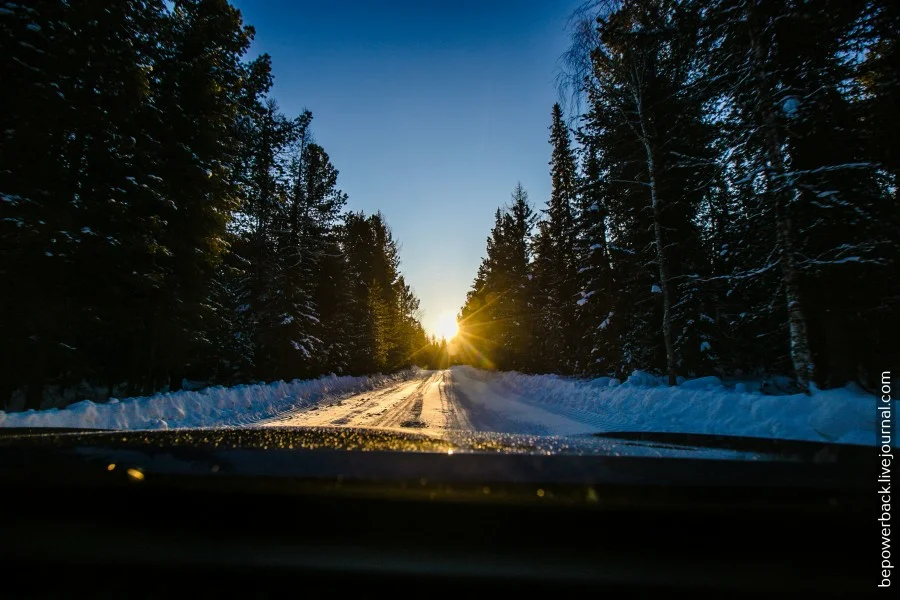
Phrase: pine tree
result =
(876, 127)
(519, 223)
(270, 136)
(498, 321)
(646, 126)
(335, 303)
(80, 195)
(384, 310)
(160, 218)
(407, 330)
(477, 334)
(201, 87)
(556, 277)
(597, 350)
(785, 67)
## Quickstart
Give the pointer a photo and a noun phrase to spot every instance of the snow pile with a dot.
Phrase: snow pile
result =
(704, 405)
(215, 406)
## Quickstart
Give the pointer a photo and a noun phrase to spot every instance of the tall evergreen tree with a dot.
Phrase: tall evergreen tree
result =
(785, 67)
(519, 223)
(597, 349)
(498, 322)
(732, 213)
(555, 267)
(384, 309)
(646, 121)
(160, 219)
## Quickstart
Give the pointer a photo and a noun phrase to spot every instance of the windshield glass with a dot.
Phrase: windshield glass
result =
(545, 219)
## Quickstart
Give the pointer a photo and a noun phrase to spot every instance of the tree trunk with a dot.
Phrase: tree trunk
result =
(661, 257)
(662, 260)
(784, 190)
(801, 356)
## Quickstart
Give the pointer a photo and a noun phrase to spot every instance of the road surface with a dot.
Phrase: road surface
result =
(439, 401)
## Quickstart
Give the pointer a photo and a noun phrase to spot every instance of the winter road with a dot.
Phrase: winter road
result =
(437, 402)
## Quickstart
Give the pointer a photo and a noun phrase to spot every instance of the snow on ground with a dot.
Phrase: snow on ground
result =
(644, 403)
(211, 407)
(464, 398)
(413, 404)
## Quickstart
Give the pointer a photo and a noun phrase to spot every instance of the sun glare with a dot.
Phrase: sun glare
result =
(447, 327)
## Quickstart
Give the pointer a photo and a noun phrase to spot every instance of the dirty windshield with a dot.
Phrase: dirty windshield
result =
(562, 220)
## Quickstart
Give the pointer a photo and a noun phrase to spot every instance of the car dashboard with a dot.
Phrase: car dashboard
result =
(107, 514)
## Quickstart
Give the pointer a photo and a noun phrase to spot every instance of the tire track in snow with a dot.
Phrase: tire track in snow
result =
(438, 402)
(456, 416)
(408, 413)
(342, 411)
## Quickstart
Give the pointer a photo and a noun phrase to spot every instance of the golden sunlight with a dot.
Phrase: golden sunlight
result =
(447, 327)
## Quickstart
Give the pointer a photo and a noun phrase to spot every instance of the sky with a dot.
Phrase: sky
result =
(431, 111)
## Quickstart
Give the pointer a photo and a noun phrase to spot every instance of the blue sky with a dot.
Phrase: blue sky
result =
(431, 111)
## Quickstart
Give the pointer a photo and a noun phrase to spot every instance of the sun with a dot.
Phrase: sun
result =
(446, 327)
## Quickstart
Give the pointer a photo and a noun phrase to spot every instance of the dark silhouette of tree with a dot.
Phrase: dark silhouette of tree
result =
(555, 268)
(498, 323)
(735, 211)
(162, 220)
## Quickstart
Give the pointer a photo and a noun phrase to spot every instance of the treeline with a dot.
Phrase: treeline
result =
(729, 204)
(162, 221)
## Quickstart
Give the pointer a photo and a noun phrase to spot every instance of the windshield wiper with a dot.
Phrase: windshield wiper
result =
(799, 449)
(22, 431)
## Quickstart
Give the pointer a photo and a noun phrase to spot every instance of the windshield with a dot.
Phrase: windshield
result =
(548, 219)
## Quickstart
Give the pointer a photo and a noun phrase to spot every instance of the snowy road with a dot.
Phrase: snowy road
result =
(464, 399)
(439, 401)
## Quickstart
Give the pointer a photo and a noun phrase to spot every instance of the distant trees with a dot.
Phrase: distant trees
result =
(734, 209)
(386, 326)
(160, 219)
(500, 327)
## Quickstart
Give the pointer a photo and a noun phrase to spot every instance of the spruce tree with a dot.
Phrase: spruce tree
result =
(784, 67)
(498, 322)
(597, 348)
(556, 275)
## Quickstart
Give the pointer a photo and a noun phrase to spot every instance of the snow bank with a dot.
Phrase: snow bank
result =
(215, 406)
(645, 403)
(642, 403)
